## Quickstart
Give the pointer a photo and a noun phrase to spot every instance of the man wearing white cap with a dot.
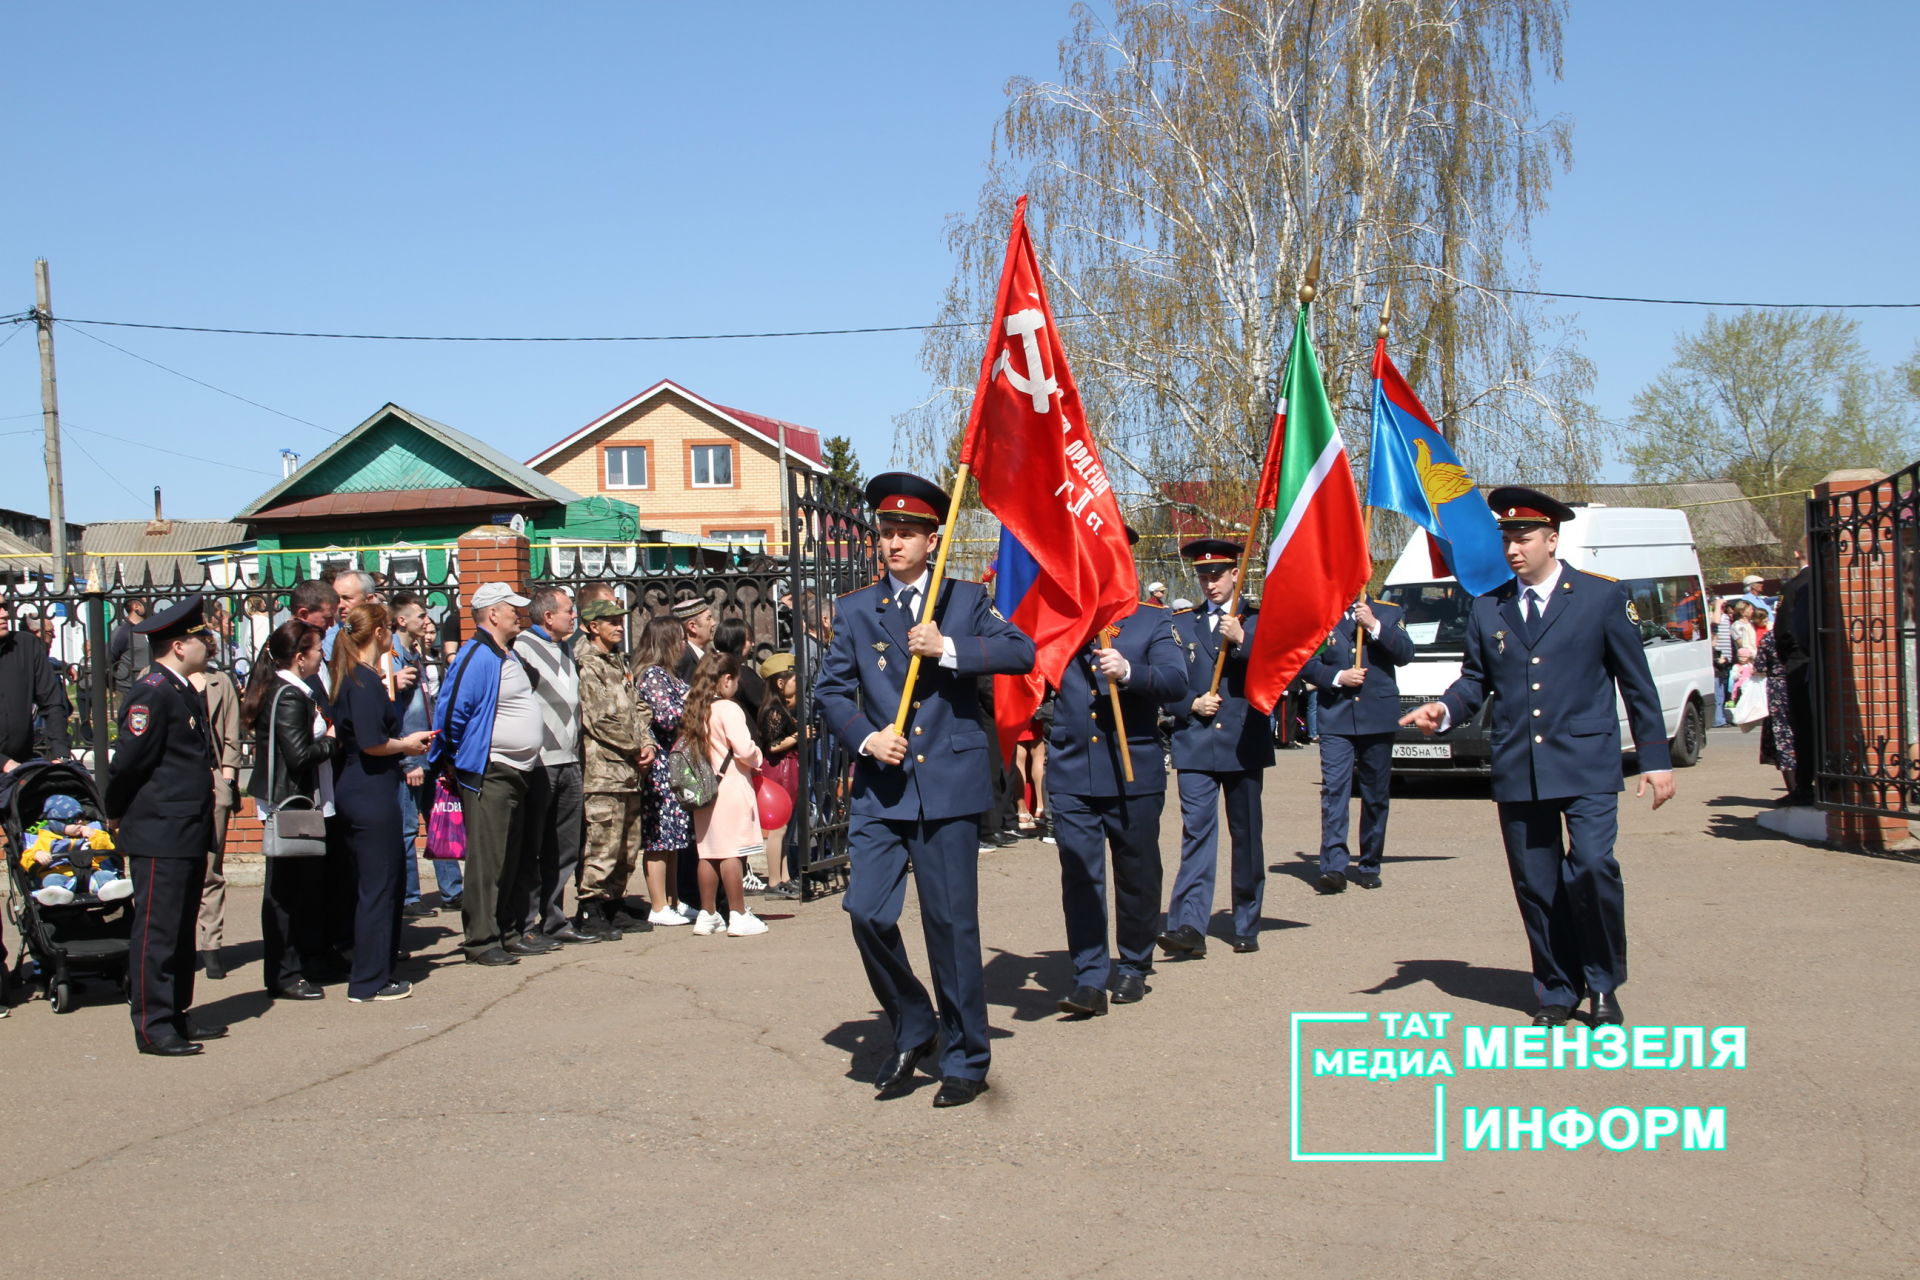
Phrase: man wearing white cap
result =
(489, 743)
(1157, 594)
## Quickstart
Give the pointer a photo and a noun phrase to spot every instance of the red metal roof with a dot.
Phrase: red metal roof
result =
(409, 501)
(804, 441)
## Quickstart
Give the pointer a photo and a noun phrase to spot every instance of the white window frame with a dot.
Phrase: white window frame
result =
(404, 551)
(646, 467)
(318, 562)
(693, 467)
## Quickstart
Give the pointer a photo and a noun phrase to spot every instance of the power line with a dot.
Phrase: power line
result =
(197, 381)
(897, 328)
(142, 444)
(103, 470)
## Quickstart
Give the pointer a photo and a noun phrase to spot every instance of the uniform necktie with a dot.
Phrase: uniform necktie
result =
(1533, 614)
(910, 600)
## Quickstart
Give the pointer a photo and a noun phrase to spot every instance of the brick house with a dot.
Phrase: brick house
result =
(692, 466)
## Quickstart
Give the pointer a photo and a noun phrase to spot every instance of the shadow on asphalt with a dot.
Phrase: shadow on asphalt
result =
(1305, 866)
(1499, 988)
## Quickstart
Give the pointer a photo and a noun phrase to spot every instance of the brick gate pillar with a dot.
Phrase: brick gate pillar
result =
(1861, 693)
(492, 553)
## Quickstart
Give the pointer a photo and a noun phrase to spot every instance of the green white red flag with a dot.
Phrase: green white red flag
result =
(1317, 561)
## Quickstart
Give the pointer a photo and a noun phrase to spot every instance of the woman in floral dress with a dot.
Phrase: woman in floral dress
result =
(666, 829)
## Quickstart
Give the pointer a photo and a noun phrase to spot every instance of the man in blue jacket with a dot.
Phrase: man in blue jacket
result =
(489, 736)
(1550, 648)
(1358, 701)
(1221, 747)
(1095, 807)
(917, 796)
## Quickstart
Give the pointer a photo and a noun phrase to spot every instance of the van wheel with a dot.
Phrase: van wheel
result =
(1692, 738)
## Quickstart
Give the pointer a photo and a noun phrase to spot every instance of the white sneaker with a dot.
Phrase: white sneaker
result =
(744, 924)
(707, 923)
(665, 918)
(752, 882)
(53, 896)
(686, 909)
(114, 890)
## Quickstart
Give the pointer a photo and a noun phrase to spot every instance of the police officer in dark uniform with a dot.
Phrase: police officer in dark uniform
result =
(918, 795)
(160, 804)
(1221, 748)
(1095, 807)
(1358, 700)
(1550, 648)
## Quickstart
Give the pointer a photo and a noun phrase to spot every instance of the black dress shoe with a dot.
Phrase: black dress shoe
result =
(492, 956)
(1090, 1001)
(418, 911)
(896, 1078)
(1005, 839)
(171, 1047)
(299, 989)
(1331, 882)
(211, 966)
(1366, 879)
(955, 1092)
(1246, 942)
(197, 1031)
(568, 933)
(1606, 1010)
(1184, 943)
(1552, 1015)
(528, 944)
(1129, 988)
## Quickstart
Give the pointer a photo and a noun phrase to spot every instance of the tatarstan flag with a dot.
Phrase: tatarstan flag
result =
(1317, 562)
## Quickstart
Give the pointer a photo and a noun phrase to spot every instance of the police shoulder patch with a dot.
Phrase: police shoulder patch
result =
(1633, 614)
(994, 609)
(138, 719)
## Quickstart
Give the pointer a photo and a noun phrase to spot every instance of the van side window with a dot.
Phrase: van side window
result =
(1669, 609)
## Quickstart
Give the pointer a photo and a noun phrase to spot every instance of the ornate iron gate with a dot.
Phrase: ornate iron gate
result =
(1862, 549)
(834, 550)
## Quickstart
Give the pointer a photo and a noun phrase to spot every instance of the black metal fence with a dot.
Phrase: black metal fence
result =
(1866, 734)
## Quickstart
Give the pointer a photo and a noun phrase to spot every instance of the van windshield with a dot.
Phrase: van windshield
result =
(1436, 615)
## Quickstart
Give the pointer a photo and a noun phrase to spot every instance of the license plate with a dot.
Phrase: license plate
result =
(1422, 751)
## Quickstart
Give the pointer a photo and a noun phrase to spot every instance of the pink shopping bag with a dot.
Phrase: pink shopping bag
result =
(446, 823)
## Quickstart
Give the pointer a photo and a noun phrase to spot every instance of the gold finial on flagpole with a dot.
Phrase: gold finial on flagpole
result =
(1312, 281)
(1386, 312)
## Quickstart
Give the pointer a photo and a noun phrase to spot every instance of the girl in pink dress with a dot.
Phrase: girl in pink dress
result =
(727, 831)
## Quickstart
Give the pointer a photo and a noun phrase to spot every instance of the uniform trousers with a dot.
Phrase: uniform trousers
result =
(1086, 826)
(945, 856)
(213, 893)
(614, 839)
(1572, 900)
(1201, 794)
(495, 819)
(1366, 758)
(166, 898)
(553, 826)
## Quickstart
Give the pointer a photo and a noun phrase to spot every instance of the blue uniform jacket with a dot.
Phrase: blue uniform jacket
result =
(947, 772)
(1554, 728)
(1083, 757)
(1238, 739)
(1373, 706)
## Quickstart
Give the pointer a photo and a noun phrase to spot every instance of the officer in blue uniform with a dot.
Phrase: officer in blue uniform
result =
(1358, 701)
(1221, 747)
(1550, 648)
(1095, 807)
(917, 796)
(159, 802)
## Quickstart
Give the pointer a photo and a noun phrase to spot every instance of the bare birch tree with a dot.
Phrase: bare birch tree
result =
(1190, 160)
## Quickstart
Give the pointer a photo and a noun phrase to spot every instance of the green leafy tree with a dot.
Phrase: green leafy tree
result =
(1191, 159)
(1772, 400)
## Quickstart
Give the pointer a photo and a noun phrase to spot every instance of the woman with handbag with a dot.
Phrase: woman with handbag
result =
(367, 796)
(293, 744)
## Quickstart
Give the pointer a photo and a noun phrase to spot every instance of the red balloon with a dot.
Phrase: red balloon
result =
(776, 806)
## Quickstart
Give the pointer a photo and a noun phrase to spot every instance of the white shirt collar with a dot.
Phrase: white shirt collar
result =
(1544, 589)
(919, 584)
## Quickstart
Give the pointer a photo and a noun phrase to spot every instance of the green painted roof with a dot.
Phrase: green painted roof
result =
(397, 450)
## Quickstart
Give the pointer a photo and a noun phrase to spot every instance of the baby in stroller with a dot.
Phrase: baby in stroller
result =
(60, 844)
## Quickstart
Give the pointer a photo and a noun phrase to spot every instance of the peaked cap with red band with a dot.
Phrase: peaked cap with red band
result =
(1209, 552)
(901, 495)
(1515, 507)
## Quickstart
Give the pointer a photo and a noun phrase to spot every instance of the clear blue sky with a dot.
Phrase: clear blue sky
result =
(593, 168)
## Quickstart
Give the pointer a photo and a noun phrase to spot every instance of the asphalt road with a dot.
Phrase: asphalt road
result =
(672, 1103)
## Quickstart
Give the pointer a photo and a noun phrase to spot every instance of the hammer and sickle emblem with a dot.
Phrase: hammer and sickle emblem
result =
(1025, 325)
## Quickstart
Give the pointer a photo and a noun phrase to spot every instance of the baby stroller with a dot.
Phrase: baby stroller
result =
(83, 938)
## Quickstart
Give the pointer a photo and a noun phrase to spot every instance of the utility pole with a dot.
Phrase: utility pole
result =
(50, 419)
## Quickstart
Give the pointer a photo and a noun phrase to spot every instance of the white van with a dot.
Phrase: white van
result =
(1649, 549)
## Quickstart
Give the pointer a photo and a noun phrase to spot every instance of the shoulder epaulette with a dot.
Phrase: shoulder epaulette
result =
(153, 678)
(1604, 577)
(1178, 612)
(1148, 604)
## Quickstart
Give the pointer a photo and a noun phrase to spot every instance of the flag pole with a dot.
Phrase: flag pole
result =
(960, 478)
(1366, 511)
(1119, 717)
(1307, 289)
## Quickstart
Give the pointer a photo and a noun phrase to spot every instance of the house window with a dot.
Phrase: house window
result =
(318, 562)
(627, 466)
(712, 466)
(740, 536)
